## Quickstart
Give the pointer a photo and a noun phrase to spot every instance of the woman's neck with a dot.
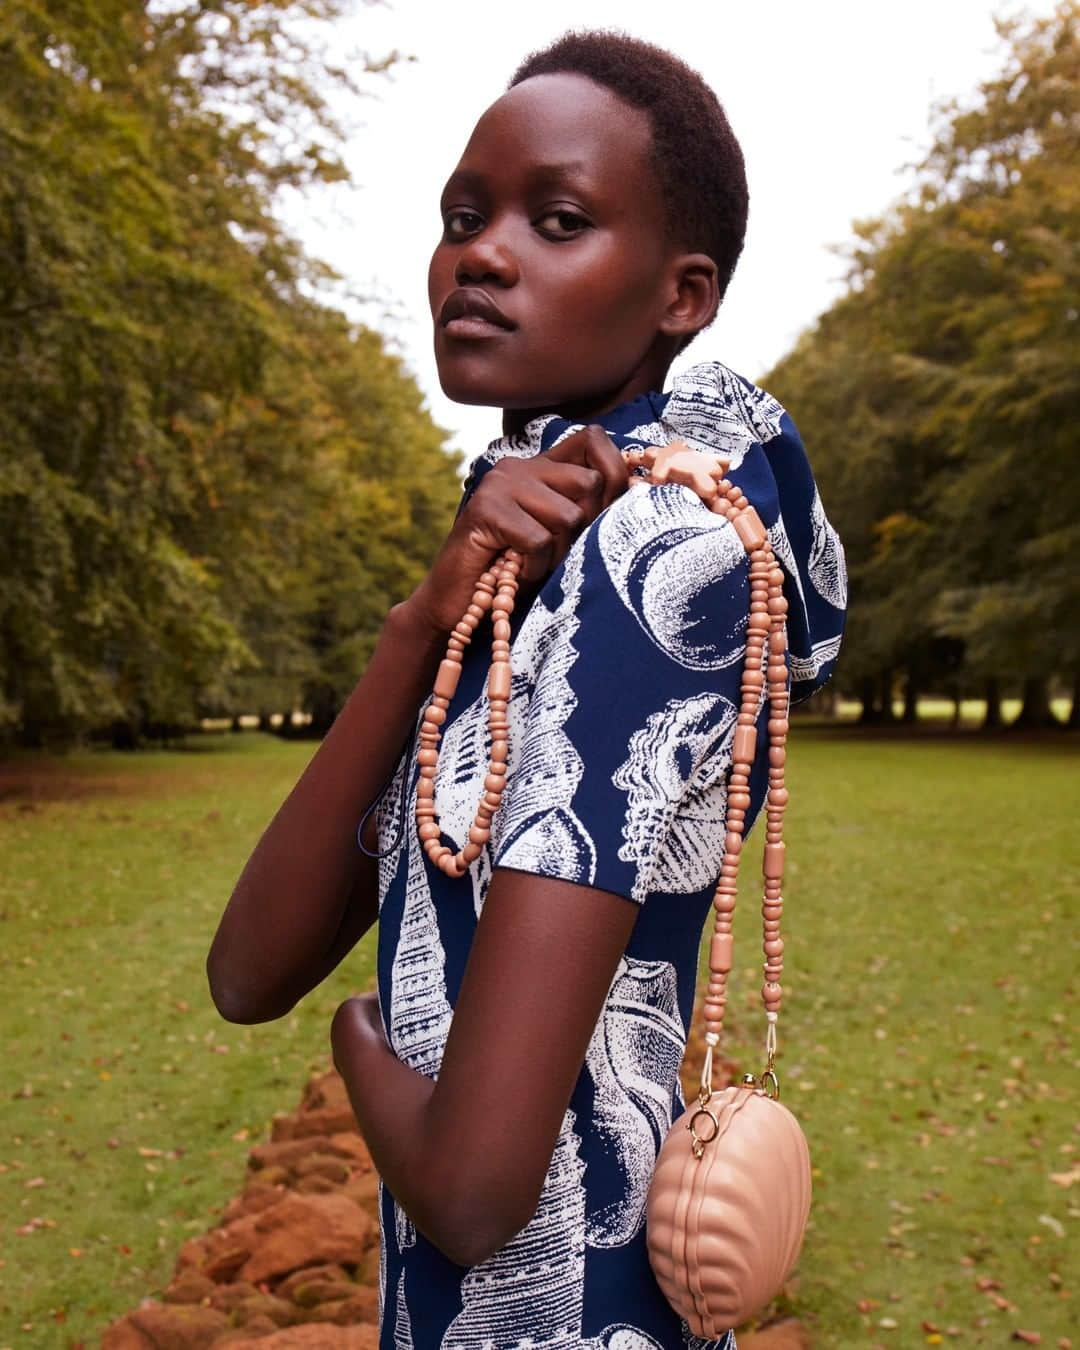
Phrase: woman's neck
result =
(647, 378)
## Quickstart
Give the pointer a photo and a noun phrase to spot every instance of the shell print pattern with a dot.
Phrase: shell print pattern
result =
(530, 1293)
(633, 1059)
(714, 410)
(402, 1322)
(665, 551)
(827, 570)
(535, 820)
(675, 778)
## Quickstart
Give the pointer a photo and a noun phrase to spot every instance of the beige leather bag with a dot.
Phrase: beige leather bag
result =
(729, 1200)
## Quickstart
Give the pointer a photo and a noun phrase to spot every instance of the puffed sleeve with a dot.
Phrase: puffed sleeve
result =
(626, 683)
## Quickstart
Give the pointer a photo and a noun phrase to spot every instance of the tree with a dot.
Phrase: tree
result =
(942, 390)
(175, 448)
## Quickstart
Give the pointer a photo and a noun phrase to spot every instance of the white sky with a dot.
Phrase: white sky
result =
(829, 99)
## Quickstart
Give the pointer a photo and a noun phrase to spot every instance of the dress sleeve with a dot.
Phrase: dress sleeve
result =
(626, 683)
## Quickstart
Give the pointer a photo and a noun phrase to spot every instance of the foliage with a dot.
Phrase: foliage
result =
(940, 393)
(190, 508)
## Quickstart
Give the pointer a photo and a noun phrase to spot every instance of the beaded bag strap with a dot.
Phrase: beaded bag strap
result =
(764, 678)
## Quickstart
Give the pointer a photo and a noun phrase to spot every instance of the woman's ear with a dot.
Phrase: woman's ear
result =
(695, 295)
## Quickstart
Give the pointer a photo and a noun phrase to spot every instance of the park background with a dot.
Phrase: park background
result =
(221, 461)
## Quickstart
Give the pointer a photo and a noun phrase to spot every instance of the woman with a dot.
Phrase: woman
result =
(518, 1066)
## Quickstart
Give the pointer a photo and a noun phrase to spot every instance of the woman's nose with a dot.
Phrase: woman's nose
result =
(485, 258)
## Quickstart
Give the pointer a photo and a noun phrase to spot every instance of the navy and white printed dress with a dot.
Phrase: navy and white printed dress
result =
(626, 670)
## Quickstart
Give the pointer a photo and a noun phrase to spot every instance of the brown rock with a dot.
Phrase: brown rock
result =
(278, 1311)
(310, 1293)
(123, 1335)
(359, 1309)
(315, 1185)
(786, 1335)
(314, 1336)
(323, 1120)
(367, 1272)
(261, 1326)
(274, 1176)
(252, 1200)
(363, 1189)
(221, 1252)
(329, 1273)
(303, 1229)
(189, 1287)
(335, 1170)
(226, 1297)
(345, 1144)
(166, 1326)
(325, 1089)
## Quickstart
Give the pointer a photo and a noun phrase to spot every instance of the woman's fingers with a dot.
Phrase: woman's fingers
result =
(593, 448)
(537, 505)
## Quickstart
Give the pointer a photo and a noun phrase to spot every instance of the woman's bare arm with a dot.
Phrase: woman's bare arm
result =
(466, 1155)
(307, 894)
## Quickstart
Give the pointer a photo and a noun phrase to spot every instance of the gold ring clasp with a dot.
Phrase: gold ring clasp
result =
(700, 1141)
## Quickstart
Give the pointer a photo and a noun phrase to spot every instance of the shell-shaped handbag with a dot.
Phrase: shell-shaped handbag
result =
(730, 1197)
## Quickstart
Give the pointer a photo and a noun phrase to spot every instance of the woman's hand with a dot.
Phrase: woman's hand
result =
(537, 506)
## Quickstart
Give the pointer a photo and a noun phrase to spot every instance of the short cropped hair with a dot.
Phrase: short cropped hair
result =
(698, 162)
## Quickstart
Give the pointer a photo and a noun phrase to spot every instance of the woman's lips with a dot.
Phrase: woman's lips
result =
(472, 326)
(469, 312)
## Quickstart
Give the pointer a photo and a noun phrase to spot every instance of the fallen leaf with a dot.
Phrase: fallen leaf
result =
(1028, 1337)
(1047, 1220)
(1063, 1179)
(986, 1282)
(34, 1182)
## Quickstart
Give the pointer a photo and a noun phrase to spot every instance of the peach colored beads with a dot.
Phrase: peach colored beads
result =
(765, 677)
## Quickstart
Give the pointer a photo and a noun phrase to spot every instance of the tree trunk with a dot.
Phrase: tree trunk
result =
(323, 706)
(911, 700)
(992, 720)
(887, 714)
(124, 735)
(1074, 711)
(955, 695)
(1036, 710)
(869, 715)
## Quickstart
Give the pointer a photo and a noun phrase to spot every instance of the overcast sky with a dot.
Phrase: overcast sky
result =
(829, 99)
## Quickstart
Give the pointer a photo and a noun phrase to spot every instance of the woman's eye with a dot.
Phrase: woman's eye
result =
(563, 223)
(461, 223)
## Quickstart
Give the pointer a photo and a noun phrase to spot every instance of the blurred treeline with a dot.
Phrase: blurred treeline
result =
(212, 486)
(940, 398)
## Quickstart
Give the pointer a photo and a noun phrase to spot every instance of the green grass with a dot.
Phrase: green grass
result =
(923, 1039)
(925, 1033)
(108, 903)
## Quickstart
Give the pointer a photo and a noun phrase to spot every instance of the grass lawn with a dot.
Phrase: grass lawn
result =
(924, 1040)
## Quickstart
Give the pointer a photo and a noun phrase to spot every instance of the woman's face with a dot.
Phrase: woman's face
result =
(549, 282)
